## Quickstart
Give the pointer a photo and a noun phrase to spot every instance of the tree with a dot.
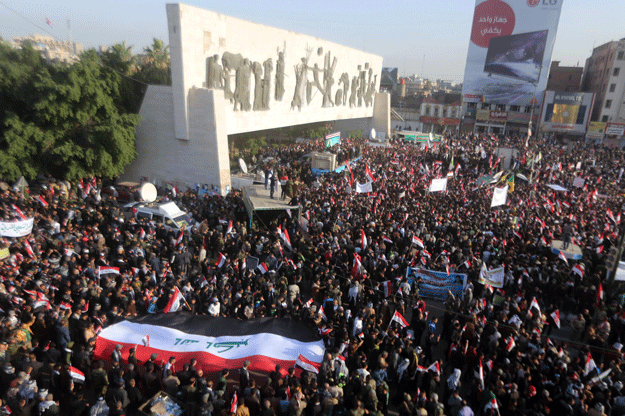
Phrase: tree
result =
(21, 139)
(120, 58)
(156, 65)
(90, 135)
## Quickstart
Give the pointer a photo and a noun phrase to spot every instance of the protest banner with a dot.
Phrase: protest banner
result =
(16, 228)
(435, 284)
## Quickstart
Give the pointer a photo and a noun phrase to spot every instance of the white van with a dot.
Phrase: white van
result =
(168, 214)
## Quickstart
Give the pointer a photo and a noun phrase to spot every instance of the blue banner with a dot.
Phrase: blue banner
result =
(435, 285)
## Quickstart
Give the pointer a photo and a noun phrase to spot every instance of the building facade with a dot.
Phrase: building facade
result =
(605, 76)
(231, 76)
(564, 78)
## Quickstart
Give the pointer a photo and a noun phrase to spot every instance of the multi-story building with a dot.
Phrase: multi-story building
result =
(564, 78)
(51, 49)
(493, 118)
(605, 76)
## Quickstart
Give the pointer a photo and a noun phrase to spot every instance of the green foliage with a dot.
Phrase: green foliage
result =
(67, 121)
(156, 64)
(254, 144)
(354, 134)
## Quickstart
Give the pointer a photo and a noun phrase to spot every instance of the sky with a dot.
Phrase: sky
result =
(428, 38)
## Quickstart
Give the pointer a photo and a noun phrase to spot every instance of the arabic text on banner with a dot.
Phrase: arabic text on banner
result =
(362, 188)
(492, 277)
(436, 284)
(16, 228)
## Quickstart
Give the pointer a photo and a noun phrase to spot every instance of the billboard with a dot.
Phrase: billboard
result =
(388, 77)
(595, 130)
(510, 50)
(566, 111)
(615, 129)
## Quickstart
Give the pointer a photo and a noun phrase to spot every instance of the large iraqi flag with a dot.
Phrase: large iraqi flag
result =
(215, 342)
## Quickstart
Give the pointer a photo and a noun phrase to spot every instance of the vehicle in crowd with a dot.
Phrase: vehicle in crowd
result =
(166, 213)
(123, 191)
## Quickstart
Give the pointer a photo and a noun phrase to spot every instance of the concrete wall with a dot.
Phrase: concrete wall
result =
(196, 34)
(164, 159)
(183, 135)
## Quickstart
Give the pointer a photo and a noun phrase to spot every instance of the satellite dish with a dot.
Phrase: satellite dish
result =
(372, 134)
(242, 165)
(148, 192)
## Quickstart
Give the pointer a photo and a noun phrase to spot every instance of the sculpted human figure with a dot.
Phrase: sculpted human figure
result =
(280, 77)
(266, 84)
(242, 87)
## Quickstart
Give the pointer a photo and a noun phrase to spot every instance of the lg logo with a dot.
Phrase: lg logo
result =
(534, 3)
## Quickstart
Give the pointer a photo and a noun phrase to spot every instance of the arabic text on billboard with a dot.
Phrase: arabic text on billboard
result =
(510, 50)
(615, 129)
(596, 129)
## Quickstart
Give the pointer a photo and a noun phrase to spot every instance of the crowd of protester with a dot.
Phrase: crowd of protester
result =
(483, 351)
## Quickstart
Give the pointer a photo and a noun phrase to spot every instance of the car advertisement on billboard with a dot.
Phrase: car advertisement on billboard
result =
(510, 50)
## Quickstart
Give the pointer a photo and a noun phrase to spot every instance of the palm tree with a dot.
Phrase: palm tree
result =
(158, 54)
(155, 64)
(120, 58)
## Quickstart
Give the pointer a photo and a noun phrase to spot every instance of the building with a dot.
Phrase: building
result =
(441, 113)
(605, 76)
(231, 76)
(493, 118)
(564, 78)
(50, 48)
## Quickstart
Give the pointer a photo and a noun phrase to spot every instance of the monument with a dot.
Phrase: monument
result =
(231, 76)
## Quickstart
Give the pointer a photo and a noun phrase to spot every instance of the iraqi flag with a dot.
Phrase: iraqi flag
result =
(387, 240)
(42, 201)
(235, 403)
(284, 235)
(263, 268)
(599, 294)
(77, 375)
(221, 260)
(229, 229)
(556, 317)
(387, 285)
(217, 342)
(578, 269)
(106, 270)
(534, 304)
(28, 249)
(18, 212)
(369, 174)
(510, 344)
(146, 340)
(397, 317)
(435, 367)
(65, 305)
(307, 364)
(480, 375)
(417, 241)
(179, 239)
(589, 365)
(363, 238)
(562, 257)
(175, 302)
(42, 301)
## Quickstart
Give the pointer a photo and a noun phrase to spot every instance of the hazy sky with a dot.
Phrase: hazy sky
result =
(402, 31)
